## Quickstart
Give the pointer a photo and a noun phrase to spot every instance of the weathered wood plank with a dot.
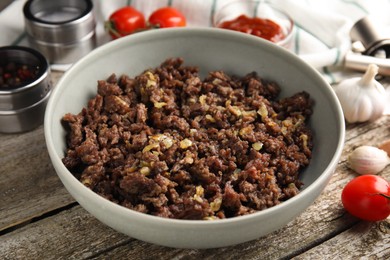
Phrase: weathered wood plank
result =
(363, 240)
(29, 186)
(317, 219)
(75, 234)
(72, 234)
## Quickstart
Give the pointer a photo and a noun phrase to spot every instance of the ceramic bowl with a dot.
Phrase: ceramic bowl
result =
(209, 49)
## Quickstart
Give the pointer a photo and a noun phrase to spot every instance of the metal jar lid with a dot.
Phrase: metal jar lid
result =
(31, 91)
(63, 30)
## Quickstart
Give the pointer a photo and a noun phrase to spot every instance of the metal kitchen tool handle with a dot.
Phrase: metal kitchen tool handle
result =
(360, 62)
(371, 34)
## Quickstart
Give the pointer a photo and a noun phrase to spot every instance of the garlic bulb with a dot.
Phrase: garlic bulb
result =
(362, 99)
(368, 160)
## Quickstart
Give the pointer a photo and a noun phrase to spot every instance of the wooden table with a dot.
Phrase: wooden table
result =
(40, 220)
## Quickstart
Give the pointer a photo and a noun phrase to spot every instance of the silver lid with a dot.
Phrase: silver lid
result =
(63, 30)
(60, 21)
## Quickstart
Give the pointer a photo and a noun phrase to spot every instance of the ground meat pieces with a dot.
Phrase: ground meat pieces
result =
(92, 175)
(170, 144)
(88, 151)
(138, 184)
(75, 129)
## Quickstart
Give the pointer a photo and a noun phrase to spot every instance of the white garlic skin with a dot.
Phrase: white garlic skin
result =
(368, 160)
(362, 99)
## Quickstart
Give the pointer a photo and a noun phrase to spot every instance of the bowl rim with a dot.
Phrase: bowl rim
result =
(209, 32)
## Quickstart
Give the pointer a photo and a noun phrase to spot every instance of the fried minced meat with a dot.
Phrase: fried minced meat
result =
(170, 144)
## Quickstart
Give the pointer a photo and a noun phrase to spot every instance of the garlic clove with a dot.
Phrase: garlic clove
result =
(369, 76)
(368, 160)
(362, 98)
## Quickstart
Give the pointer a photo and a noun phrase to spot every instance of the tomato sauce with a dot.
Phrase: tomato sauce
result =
(263, 28)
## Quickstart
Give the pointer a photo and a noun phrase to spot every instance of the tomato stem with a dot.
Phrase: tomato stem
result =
(110, 27)
(153, 25)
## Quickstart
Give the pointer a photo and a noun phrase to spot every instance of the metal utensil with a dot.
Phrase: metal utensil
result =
(374, 41)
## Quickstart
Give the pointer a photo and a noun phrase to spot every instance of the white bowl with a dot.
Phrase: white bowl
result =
(209, 49)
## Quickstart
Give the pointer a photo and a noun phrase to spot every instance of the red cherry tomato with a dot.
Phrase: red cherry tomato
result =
(367, 197)
(125, 21)
(167, 17)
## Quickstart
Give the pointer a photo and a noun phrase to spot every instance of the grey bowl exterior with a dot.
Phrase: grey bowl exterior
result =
(210, 49)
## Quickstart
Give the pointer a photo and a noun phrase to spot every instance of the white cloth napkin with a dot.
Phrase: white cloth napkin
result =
(321, 36)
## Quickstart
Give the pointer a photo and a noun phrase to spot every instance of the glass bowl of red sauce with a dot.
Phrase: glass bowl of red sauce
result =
(258, 19)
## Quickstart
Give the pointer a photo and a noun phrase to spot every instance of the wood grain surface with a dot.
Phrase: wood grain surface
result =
(40, 220)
